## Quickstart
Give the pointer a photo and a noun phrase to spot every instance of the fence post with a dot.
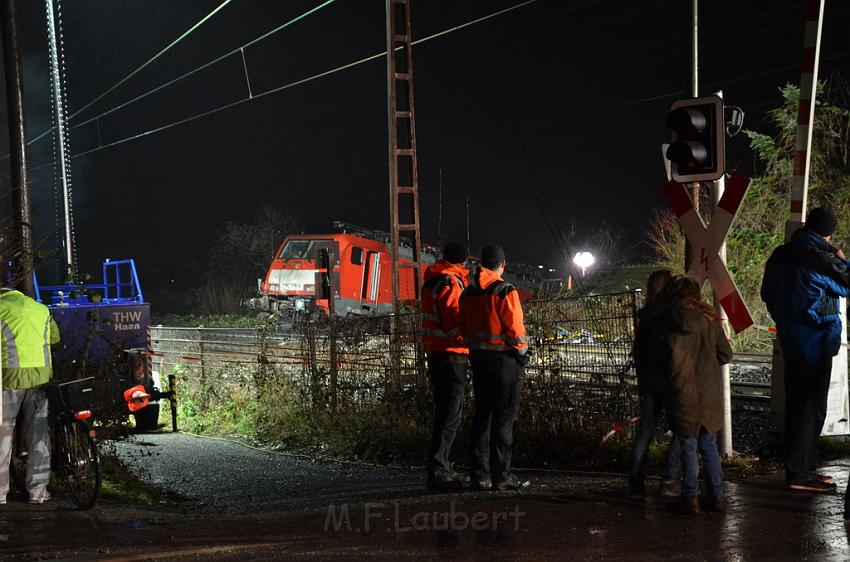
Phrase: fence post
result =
(172, 390)
(328, 264)
(315, 386)
(201, 350)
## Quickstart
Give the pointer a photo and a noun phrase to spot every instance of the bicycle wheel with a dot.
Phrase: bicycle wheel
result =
(78, 465)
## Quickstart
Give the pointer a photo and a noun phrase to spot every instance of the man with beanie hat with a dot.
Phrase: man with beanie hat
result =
(491, 320)
(447, 359)
(803, 280)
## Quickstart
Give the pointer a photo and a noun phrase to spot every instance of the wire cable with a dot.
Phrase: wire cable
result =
(150, 61)
(297, 83)
(285, 86)
(240, 50)
(374, 57)
(171, 45)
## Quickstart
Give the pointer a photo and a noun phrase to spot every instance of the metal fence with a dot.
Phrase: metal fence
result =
(580, 372)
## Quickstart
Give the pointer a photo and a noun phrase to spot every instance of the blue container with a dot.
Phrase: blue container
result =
(97, 322)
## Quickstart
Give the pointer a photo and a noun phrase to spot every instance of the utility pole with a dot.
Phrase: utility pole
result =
(404, 181)
(22, 220)
(725, 445)
(694, 52)
(717, 188)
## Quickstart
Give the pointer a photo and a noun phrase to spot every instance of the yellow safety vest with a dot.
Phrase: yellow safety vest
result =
(24, 332)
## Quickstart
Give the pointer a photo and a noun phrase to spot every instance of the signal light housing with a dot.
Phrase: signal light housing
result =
(697, 150)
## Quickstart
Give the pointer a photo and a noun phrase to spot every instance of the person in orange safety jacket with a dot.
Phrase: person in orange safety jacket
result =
(447, 359)
(491, 321)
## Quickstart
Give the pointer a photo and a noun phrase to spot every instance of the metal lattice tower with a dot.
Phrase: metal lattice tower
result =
(61, 146)
(404, 184)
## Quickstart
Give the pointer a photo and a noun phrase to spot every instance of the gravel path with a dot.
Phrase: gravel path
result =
(231, 477)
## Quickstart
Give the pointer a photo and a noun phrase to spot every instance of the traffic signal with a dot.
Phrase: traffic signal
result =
(697, 150)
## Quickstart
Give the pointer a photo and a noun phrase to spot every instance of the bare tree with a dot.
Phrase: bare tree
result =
(240, 255)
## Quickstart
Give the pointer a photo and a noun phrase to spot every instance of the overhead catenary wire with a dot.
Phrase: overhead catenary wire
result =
(144, 65)
(240, 50)
(373, 57)
(358, 62)
(367, 59)
(254, 96)
(151, 60)
(299, 82)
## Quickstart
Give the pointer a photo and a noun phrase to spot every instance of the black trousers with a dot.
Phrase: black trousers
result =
(497, 382)
(448, 378)
(806, 391)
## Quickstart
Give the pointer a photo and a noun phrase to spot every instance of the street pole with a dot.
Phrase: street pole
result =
(725, 444)
(23, 239)
(694, 52)
(694, 48)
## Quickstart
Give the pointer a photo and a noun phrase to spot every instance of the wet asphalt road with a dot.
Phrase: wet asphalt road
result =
(243, 504)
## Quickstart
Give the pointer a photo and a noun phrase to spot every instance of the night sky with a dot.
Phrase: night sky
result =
(567, 96)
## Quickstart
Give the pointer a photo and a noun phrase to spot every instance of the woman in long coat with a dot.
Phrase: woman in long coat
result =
(694, 346)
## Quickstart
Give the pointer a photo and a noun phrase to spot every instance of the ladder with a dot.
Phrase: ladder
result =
(404, 183)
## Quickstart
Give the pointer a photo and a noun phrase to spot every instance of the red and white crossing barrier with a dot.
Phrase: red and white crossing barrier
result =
(706, 243)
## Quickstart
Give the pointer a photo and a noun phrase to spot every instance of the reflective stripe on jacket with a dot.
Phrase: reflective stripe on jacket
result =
(491, 315)
(25, 332)
(444, 283)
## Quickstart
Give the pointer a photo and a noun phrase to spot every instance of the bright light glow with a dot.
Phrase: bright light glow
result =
(583, 260)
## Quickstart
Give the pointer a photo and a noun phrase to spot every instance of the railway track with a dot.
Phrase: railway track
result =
(754, 394)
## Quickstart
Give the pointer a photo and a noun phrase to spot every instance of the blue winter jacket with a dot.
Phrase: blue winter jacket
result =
(802, 282)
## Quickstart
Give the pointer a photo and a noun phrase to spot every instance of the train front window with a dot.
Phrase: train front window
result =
(297, 249)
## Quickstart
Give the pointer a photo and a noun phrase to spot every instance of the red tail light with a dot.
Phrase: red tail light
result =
(82, 415)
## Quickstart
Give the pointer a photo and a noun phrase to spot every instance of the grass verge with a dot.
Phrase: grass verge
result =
(119, 484)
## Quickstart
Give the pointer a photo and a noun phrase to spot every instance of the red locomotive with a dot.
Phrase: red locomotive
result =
(361, 265)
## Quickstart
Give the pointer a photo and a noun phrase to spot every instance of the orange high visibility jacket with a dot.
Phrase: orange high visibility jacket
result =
(491, 315)
(444, 283)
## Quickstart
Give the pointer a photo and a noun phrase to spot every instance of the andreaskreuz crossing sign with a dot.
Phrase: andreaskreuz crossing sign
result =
(706, 242)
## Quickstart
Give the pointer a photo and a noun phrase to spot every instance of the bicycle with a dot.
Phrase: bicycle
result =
(74, 457)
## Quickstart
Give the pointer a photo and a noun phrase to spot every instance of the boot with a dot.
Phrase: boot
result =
(686, 506)
(716, 504)
(670, 489)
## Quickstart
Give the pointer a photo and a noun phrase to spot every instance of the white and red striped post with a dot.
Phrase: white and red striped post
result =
(805, 115)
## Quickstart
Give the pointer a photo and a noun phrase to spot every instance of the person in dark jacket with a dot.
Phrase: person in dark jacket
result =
(693, 347)
(802, 282)
(651, 390)
(447, 359)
